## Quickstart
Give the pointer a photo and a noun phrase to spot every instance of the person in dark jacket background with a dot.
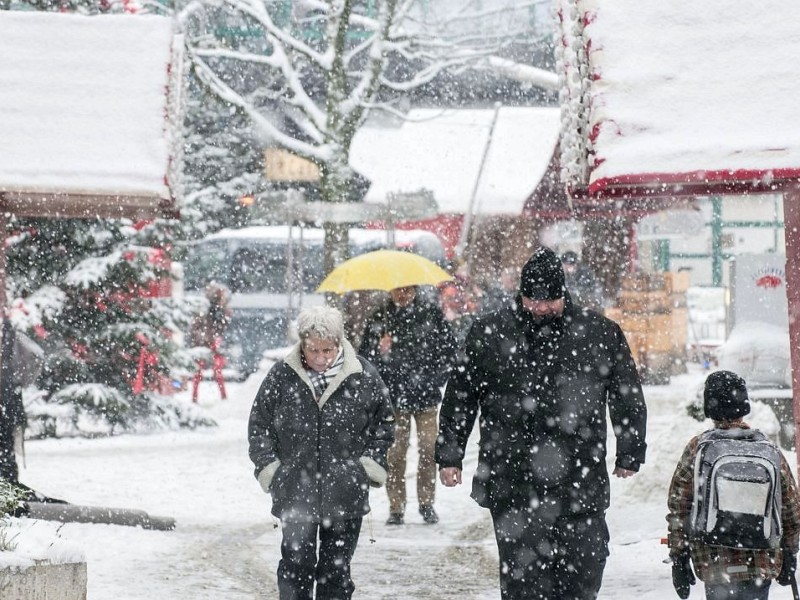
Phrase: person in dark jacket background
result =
(319, 430)
(413, 347)
(581, 282)
(542, 373)
(20, 365)
(12, 413)
(208, 330)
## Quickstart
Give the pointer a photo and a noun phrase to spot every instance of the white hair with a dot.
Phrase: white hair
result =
(322, 321)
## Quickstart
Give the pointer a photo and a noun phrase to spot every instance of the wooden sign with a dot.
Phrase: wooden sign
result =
(282, 165)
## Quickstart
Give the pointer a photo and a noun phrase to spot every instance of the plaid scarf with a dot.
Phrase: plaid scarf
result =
(320, 381)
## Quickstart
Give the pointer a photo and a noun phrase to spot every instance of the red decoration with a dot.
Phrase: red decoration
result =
(217, 363)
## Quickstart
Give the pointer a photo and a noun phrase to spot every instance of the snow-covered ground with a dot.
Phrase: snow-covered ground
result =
(226, 544)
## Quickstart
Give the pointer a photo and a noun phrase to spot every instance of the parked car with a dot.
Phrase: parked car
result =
(272, 272)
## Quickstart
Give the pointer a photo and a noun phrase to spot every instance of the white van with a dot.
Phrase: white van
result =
(272, 272)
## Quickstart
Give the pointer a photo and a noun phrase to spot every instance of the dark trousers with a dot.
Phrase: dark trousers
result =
(755, 589)
(8, 457)
(549, 558)
(300, 566)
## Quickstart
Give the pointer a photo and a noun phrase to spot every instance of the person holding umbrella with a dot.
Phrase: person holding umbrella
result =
(413, 347)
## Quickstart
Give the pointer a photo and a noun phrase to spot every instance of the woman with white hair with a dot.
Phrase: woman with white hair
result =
(319, 430)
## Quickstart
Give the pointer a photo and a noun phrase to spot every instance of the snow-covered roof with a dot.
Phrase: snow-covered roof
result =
(90, 108)
(441, 150)
(679, 94)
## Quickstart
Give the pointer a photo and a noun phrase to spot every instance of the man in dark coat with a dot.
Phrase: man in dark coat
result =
(542, 374)
(412, 346)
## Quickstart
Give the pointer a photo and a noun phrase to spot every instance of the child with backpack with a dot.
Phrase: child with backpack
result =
(733, 504)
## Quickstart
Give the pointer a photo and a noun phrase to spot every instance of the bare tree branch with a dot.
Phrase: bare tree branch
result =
(524, 73)
(326, 63)
(365, 90)
(319, 152)
(257, 9)
(247, 57)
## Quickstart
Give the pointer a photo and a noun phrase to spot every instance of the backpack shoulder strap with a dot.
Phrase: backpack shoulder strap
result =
(735, 433)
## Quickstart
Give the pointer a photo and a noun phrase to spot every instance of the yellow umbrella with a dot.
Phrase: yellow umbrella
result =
(383, 270)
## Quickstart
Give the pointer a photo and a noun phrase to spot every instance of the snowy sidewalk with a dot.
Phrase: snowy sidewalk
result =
(226, 545)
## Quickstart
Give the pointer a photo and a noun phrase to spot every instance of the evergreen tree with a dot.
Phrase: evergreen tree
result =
(222, 162)
(85, 289)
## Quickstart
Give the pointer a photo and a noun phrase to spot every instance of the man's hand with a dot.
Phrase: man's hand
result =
(450, 476)
(624, 473)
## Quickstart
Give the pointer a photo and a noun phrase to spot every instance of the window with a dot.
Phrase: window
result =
(205, 263)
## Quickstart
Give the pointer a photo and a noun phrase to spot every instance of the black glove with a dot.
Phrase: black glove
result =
(682, 576)
(788, 568)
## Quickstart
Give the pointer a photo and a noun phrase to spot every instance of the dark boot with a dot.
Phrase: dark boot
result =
(428, 514)
(395, 519)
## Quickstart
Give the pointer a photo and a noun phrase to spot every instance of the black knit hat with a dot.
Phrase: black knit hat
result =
(725, 396)
(542, 276)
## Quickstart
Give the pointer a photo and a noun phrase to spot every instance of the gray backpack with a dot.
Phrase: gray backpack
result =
(737, 490)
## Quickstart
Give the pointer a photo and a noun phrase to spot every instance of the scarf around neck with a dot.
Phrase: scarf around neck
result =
(320, 381)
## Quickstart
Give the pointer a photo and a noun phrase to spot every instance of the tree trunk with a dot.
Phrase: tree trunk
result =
(336, 245)
(334, 186)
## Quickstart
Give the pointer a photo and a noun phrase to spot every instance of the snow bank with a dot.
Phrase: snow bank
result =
(26, 542)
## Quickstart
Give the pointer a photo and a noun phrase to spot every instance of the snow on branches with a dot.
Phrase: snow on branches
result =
(308, 73)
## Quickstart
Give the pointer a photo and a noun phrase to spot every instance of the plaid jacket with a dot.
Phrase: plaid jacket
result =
(718, 564)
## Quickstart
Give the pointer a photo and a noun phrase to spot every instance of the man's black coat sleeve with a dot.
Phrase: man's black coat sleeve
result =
(627, 408)
(460, 405)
